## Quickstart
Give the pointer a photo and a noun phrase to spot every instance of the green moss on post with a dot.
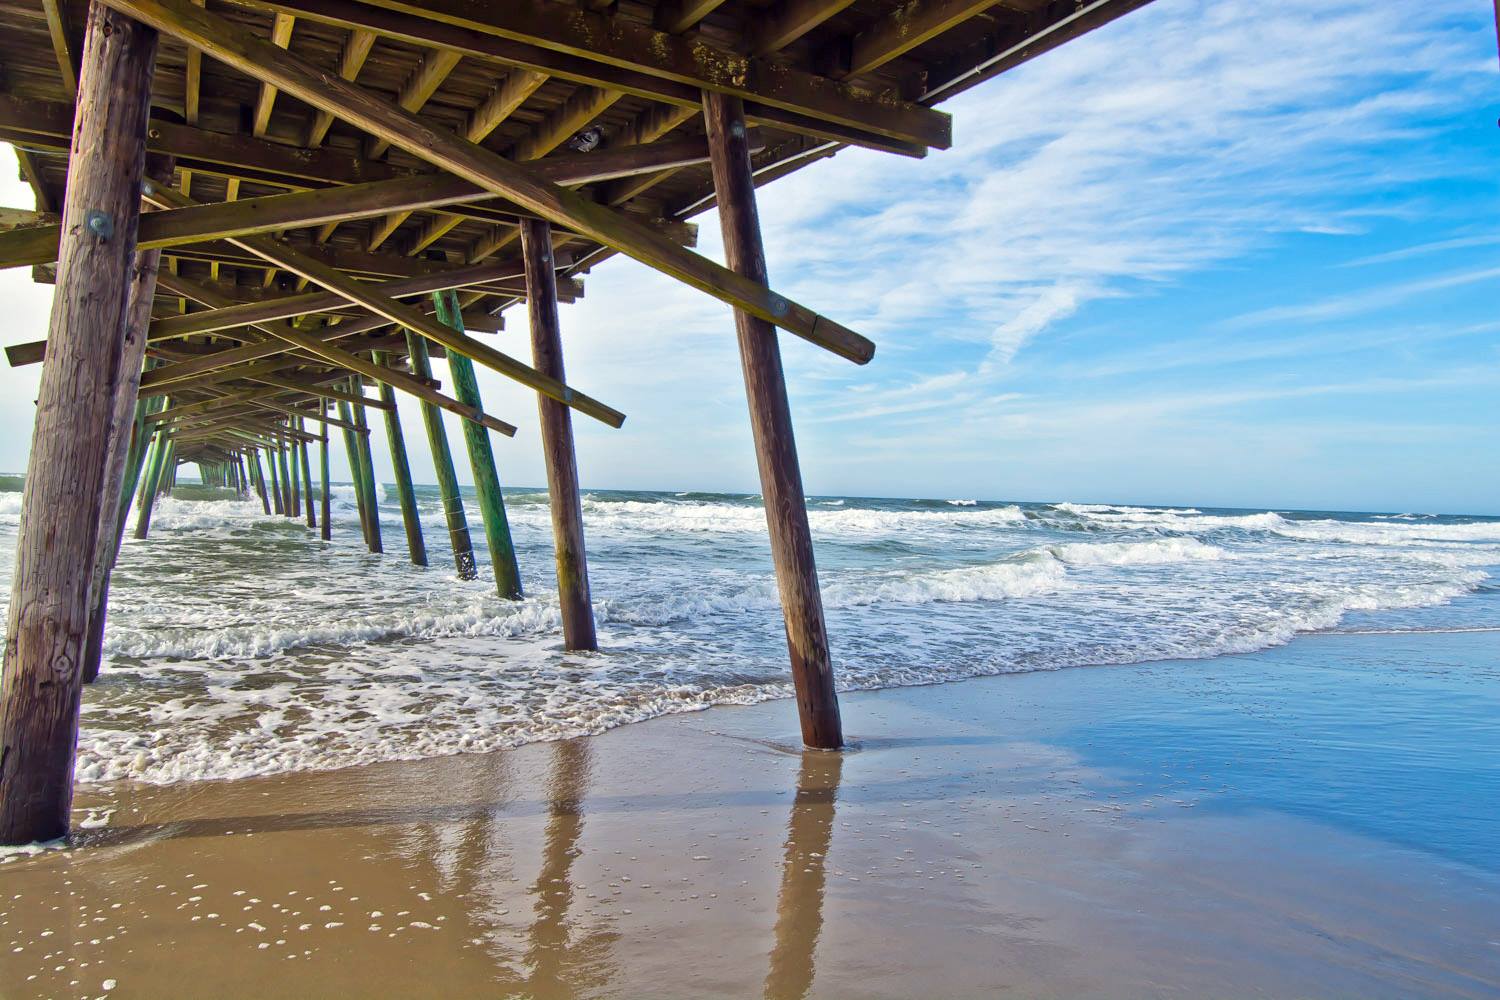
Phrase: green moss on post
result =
(442, 464)
(367, 467)
(276, 494)
(260, 479)
(404, 489)
(312, 517)
(482, 460)
(327, 501)
(286, 480)
(152, 485)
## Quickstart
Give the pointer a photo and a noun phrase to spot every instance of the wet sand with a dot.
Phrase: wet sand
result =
(984, 838)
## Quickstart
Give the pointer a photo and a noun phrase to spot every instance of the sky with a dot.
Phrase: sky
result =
(1220, 253)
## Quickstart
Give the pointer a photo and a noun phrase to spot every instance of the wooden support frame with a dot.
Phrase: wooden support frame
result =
(263, 61)
(618, 54)
(775, 445)
(49, 609)
(361, 294)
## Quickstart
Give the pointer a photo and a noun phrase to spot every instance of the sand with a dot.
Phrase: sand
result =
(985, 838)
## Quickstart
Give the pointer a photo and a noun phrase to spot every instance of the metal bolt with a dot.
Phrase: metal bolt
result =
(100, 224)
(778, 305)
(737, 129)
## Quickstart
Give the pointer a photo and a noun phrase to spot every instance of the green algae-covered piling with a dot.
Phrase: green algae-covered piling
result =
(404, 489)
(327, 527)
(482, 460)
(151, 488)
(312, 516)
(260, 479)
(276, 494)
(442, 464)
(367, 466)
(286, 476)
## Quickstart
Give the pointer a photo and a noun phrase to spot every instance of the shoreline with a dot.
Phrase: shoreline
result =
(1124, 832)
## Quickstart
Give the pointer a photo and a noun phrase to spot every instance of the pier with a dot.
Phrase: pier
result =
(268, 221)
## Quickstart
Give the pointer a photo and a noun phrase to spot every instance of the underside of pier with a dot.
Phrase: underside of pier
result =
(265, 219)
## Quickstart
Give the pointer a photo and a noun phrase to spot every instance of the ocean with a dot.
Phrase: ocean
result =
(240, 644)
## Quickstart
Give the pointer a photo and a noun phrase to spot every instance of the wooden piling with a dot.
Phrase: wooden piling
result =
(296, 473)
(312, 516)
(260, 479)
(481, 460)
(151, 488)
(276, 494)
(126, 428)
(327, 528)
(442, 464)
(49, 606)
(351, 451)
(286, 477)
(367, 467)
(404, 489)
(771, 423)
(557, 440)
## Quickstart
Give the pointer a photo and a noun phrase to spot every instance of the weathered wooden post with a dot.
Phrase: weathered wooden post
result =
(260, 479)
(367, 467)
(481, 460)
(771, 424)
(312, 516)
(557, 440)
(49, 606)
(151, 488)
(295, 473)
(327, 529)
(276, 493)
(442, 464)
(286, 476)
(351, 451)
(126, 428)
(404, 489)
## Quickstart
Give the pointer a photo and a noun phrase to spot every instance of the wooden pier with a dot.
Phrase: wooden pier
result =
(251, 210)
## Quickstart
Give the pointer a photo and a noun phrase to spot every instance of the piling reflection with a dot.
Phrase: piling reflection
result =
(799, 907)
(558, 965)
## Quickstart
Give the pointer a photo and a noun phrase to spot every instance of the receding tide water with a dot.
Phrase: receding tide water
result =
(240, 644)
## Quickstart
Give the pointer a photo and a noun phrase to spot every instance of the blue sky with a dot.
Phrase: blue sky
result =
(1218, 253)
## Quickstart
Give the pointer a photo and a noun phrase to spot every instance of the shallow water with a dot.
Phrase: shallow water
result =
(240, 644)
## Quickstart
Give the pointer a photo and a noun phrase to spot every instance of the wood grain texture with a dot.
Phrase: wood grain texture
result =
(557, 441)
(775, 443)
(49, 607)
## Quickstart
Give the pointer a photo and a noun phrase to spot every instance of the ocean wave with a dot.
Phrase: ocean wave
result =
(1150, 553)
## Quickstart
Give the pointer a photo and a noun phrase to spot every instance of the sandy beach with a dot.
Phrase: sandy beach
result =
(1098, 832)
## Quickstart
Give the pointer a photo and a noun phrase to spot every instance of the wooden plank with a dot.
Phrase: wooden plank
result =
(49, 607)
(262, 60)
(775, 443)
(351, 61)
(281, 37)
(418, 90)
(62, 45)
(789, 22)
(613, 53)
(557, 443)
(677, 16)
(899, 32)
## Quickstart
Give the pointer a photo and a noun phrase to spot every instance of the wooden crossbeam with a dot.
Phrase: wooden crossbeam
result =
(344, 359)
(259, 59)
(324, 391)
(897, 33)
(615, 53)
(677, 16)
(281, 37)
(789, 22)
(28, 246)
(361, 294)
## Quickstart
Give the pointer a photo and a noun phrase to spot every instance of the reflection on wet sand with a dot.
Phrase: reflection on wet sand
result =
(799, 904)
